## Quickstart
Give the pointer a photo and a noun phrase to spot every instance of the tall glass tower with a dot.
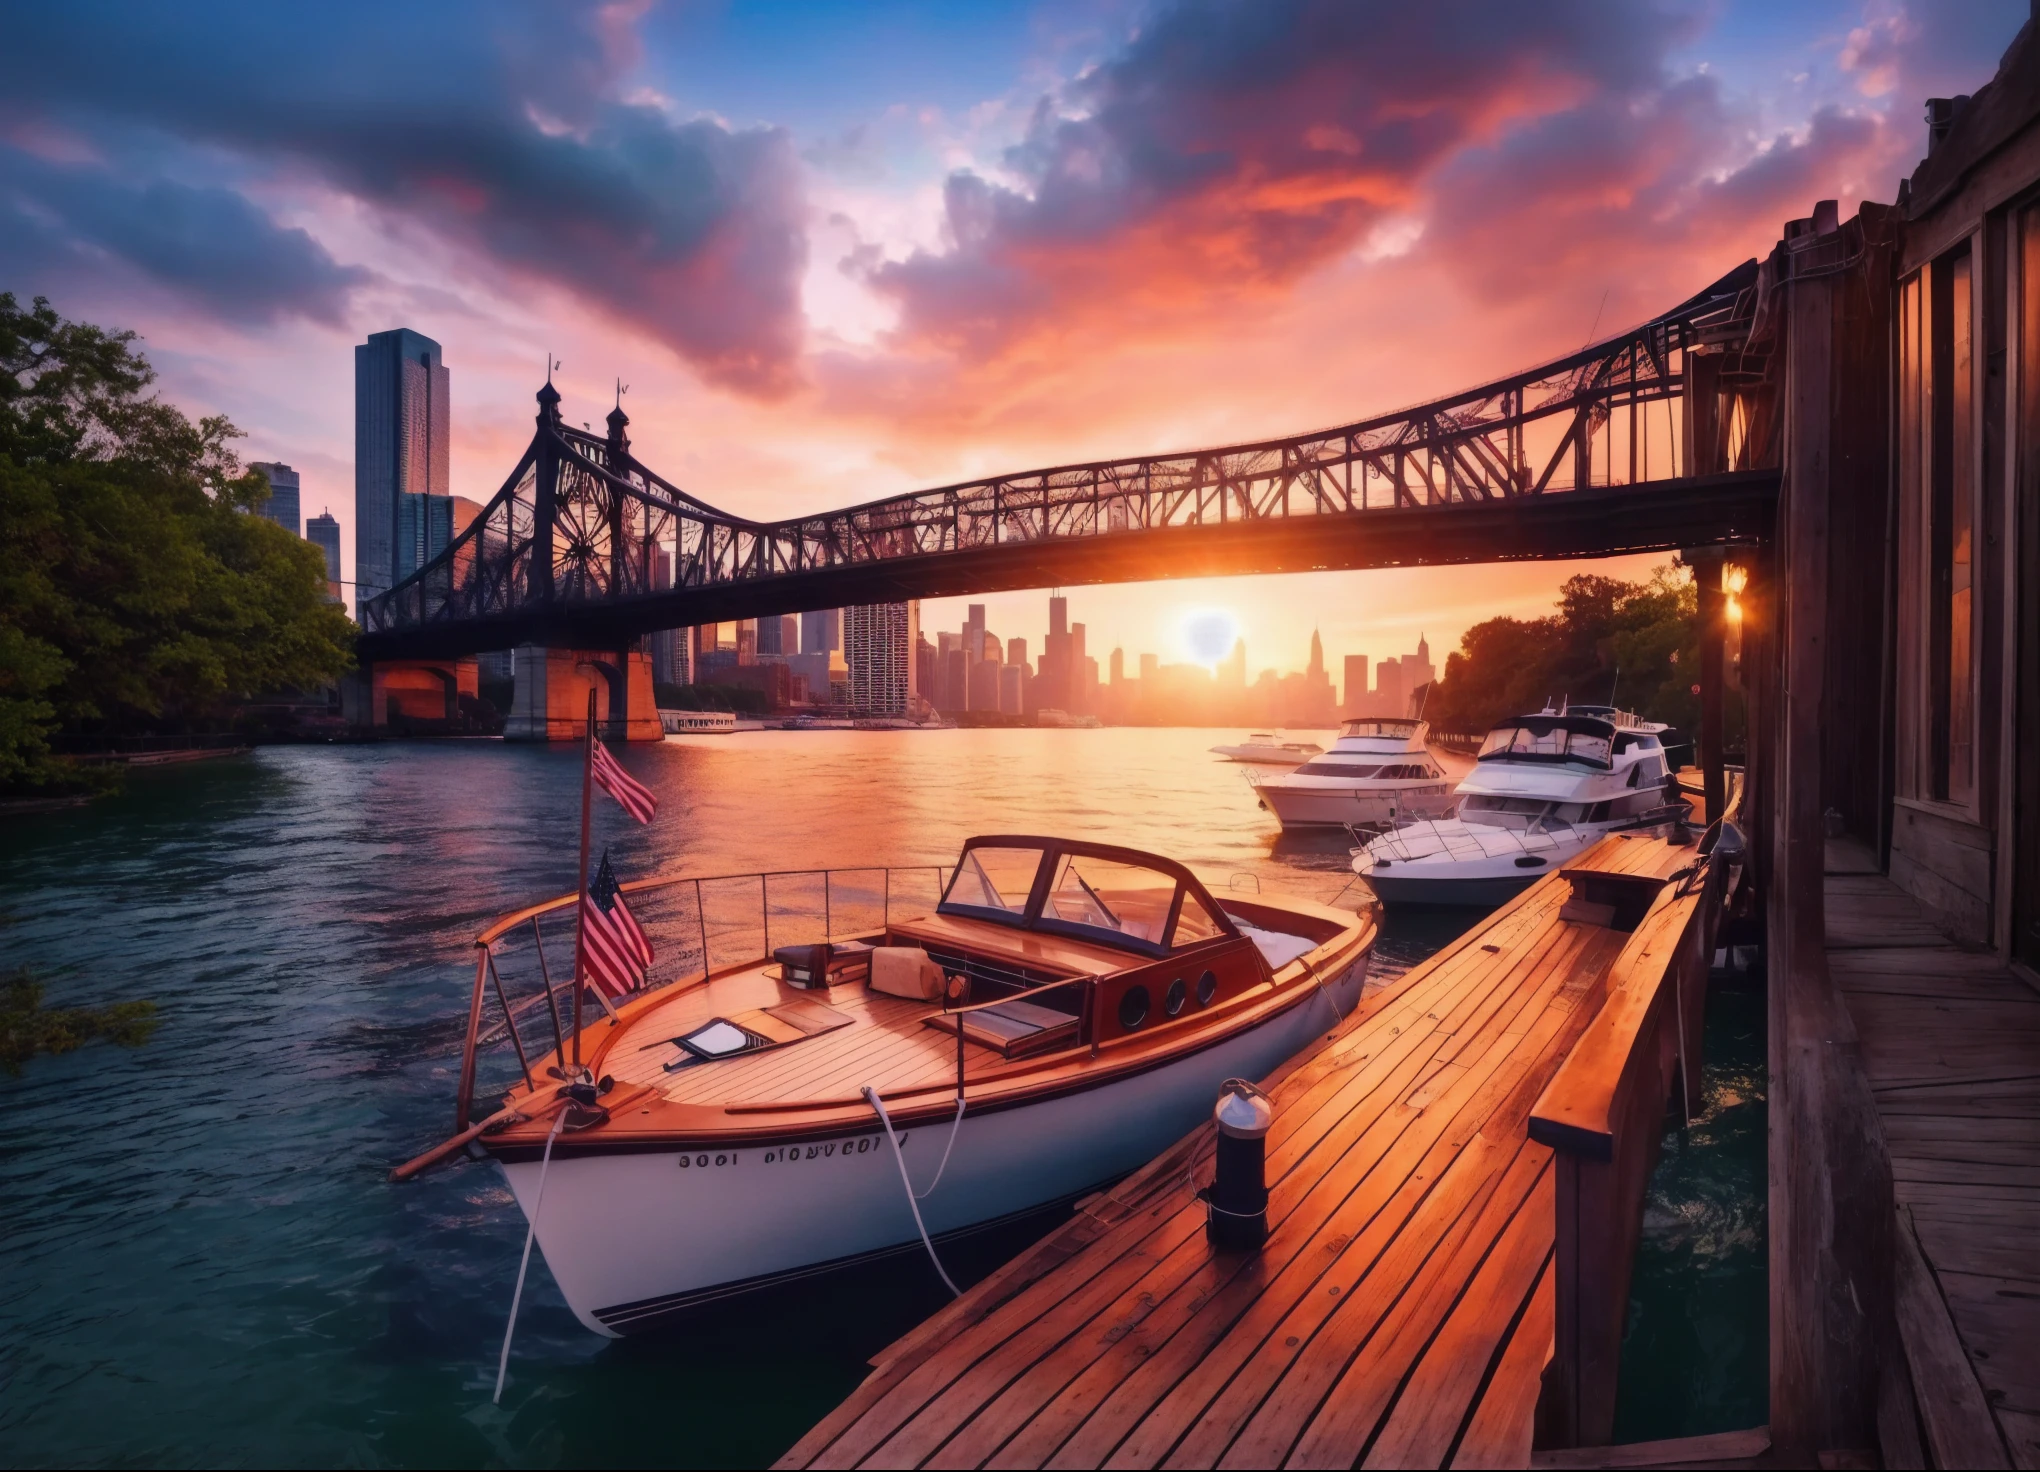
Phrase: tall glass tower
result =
(402, 517)
(282, 505)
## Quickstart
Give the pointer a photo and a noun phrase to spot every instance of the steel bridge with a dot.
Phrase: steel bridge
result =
(1661, 437)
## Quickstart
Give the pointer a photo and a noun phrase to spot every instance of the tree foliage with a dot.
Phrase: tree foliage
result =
(135, 590)
(1636, 645)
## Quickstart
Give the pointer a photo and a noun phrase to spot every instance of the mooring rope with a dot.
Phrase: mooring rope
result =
(913, 1203)
(953, 1128)
(538, 1202)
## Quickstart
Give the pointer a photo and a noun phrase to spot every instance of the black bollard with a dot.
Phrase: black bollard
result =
(1237, 1204)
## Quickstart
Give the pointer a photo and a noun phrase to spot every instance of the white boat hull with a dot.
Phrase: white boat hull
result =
(1334, 806)
(632, 1238)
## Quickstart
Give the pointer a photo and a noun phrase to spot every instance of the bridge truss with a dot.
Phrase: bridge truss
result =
(1600, 452)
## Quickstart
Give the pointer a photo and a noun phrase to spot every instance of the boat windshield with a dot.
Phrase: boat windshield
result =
(1093, 891)
(1104, 894)
(1395, 730)
(995, 879)
(1551, 739)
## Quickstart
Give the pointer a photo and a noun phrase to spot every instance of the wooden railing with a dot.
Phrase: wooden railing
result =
(684, 936)
(1604, 1115)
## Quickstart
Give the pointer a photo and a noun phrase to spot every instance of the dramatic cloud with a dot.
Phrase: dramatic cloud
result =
(1232, 147)
(501, 128)
(209, 245)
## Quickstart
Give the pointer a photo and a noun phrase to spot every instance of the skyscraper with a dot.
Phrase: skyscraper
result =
(282, 505)
(1356, 684)
(777, 633)
(821, 629)
(878, 646)
(401, 396)
(323, 532)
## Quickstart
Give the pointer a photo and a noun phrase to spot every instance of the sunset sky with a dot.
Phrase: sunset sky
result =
(838, 251)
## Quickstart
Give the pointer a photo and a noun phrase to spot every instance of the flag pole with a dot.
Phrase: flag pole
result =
(581, 874)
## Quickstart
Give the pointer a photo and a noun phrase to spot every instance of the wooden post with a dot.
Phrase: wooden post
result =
(581, 874)
(1831, 1212)
(1707, 565)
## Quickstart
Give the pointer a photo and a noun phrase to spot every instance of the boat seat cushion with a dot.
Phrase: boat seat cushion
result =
(1277, 947)
(906, 971)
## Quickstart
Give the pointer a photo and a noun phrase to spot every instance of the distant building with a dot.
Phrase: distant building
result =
(778, 635)
(821, 630)
(401, 438)
(1356, 684)
(282, 505)
(878, 647)
(323, 532)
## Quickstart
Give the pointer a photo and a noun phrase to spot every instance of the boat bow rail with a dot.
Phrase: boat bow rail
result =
(699, 925)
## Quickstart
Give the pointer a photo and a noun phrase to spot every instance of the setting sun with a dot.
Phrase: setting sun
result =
(1206, 635)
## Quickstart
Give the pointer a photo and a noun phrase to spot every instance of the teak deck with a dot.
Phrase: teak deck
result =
(1951, 1043)
(1401, 1312)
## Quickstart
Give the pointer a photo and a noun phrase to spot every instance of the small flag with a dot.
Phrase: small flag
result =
(613, 944)
(636, 798)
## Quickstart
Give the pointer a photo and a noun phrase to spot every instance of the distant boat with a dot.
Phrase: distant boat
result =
(1545, 788)
(697, 722)
(1268, 749)
(1379, 771)
(1050, 717)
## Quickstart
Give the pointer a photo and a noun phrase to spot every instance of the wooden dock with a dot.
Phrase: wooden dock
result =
(1951, 1043)
(1403, 1309)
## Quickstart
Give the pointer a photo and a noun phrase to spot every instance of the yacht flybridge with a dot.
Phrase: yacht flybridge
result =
(1062, 1012)
(1545, 787)
(1379, 771)
(1265, 748)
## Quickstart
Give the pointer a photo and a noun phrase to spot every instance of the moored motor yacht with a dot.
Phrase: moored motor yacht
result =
(1265, 748)
(1379, 771)
(1543, 789)
(1063, 1012)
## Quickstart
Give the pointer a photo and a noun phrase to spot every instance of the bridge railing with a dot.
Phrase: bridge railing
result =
(699, 926)
(582, 522)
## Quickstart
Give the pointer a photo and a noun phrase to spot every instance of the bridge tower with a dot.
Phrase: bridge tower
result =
(552, 683)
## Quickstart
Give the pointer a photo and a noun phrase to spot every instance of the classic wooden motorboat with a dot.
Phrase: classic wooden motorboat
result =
(1084, 1002)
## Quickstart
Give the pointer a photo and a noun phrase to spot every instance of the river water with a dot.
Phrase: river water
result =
(204, 1263)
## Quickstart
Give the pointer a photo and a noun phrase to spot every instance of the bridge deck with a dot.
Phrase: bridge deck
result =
(1401, 1310)
(1951, 1044)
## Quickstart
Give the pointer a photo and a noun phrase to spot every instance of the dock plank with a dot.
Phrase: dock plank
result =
(1950, 1042)
(1401, 1310)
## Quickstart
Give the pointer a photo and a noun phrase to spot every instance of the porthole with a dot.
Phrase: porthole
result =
(1529, 861)
(1207, 988)
(1175, 997)
(1133, 1007)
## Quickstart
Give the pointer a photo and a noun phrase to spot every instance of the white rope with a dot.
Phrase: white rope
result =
(913, 1205)
(924, 1195)
(538, 1201)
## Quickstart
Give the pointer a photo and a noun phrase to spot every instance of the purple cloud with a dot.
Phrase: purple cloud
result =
(503, 128)
(1236, 145)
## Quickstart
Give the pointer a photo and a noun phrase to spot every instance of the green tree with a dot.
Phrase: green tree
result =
(1608, 642)
(135, 589)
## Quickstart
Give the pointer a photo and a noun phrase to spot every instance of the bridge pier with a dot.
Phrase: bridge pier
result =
(422, 690)
(551, 703)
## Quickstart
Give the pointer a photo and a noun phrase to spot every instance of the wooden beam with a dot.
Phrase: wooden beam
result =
(1830, 1182)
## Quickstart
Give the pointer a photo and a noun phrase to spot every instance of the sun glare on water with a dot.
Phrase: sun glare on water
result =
(1207, 634)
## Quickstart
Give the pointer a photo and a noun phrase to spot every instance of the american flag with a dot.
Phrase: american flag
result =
(636, 798)
(613, 944)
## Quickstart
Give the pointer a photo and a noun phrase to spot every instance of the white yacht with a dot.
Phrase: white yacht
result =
(1379, 771)
(1265, 748)
(1544, 789)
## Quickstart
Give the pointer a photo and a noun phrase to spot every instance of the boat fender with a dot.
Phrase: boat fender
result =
(1236, 1206)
